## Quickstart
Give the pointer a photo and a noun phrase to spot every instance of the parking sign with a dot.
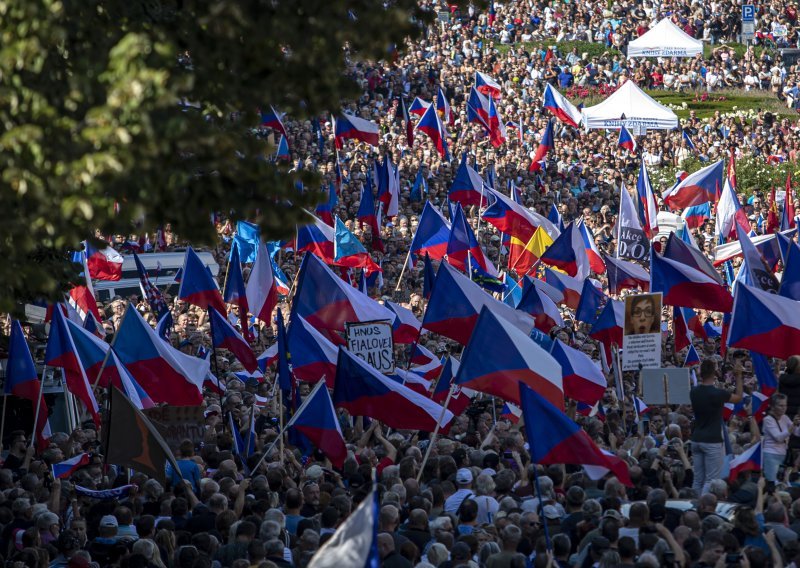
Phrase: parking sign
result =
(748, 13)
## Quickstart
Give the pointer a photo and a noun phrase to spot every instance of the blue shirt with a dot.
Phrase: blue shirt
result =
(189, 470)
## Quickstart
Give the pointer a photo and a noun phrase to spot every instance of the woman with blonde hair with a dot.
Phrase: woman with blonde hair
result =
(149, 550)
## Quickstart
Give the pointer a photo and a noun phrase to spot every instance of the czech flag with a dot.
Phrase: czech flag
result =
(767, 383)
(432, 125)
(165, 373)
(425, 363)
(316, 419)
(609, 325)
(103, 263)
(545, 145)
(497, 129)
(499, 357)
(415, 382)
(511, 412)
(432, 235)
(317, 238)
(696, 215)
(327, 302)
(583, 380)
(93, 326)
(234, 290)
(197, 285)
(65, 469)
(367, 213)
(456, 302)
(626, 140)
(790, 280)
(363, 391)
(568, 253)
(443, 107)
(91, 352)
(224, 336)
(282, 152)
(488, 86)
(560, 107)
(591, 303)
(468, 187)
(347, 126)
(686, 325)
(325, 209)
(406, 326)
(313, 356)
(570, 287)
(544, 311)
(648, 208)
(418, 106)
(268, 357)
(550, 291)
(596, 262)
(513, 219)
(765, 323)
(61, 352)
(273, 119)
(462, 243)
(128, 385)
(749, 460)
(23, 382)
(461, 397)
(696, 188)
(730, 214)
(555, 439)
(683, 253)
(407, 119)
(692, 358)
(687, 287)
(478, 109)
(261, 290)
(623, 274)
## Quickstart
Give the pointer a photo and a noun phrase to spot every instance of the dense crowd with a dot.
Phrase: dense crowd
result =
(474, 503)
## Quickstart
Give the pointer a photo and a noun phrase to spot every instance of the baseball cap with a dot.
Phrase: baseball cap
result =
(314, 472)
(464, 476)
(109, 521)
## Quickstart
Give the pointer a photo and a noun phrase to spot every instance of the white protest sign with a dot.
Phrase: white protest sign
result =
(641, 341)
(372, 341)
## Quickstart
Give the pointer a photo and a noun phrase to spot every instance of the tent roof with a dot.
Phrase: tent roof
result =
(665, 39)
(640, 110)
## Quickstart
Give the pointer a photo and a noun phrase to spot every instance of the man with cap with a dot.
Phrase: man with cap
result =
(464, 484)
(105, 549)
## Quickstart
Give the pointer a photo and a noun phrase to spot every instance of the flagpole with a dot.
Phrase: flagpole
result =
(280, 417)
(403, 271)
(435, 432)
(542, 518)
(3, 422)
(288, 424)
(108, 353)
(214, 352)
(38, 406)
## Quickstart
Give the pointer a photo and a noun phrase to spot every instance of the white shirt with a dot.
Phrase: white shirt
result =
(453, 502)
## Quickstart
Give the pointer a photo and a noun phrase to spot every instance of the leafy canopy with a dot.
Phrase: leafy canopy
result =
(90, 120)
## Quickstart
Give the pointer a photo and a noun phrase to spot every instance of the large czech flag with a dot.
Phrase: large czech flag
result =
(765, 323)
(363, 391)
(687, 287)
(499, 357)
(456, 302)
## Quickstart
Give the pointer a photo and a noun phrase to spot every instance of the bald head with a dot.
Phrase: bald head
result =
(418, 519)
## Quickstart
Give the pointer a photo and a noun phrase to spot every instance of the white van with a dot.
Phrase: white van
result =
(161, 268)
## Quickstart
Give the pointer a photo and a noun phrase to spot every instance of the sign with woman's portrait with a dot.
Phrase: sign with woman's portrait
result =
(641, 342)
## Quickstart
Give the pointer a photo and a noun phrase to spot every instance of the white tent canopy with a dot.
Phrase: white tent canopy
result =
(665, 39)
(631, 106)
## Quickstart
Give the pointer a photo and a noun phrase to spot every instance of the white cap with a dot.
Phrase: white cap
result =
(463, 476)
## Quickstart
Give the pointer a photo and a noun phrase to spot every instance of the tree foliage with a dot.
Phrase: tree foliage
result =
(90, 120)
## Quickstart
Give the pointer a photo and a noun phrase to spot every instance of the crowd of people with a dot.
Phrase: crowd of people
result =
(475, 502)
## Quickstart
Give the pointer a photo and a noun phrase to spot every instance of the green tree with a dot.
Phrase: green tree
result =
(90, 116)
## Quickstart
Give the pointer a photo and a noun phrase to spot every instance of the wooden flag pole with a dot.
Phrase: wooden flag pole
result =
(435, 432)
(38, 405)
(3, 422)
(403, 271)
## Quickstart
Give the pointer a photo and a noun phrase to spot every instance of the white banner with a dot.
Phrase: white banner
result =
(372, 341)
